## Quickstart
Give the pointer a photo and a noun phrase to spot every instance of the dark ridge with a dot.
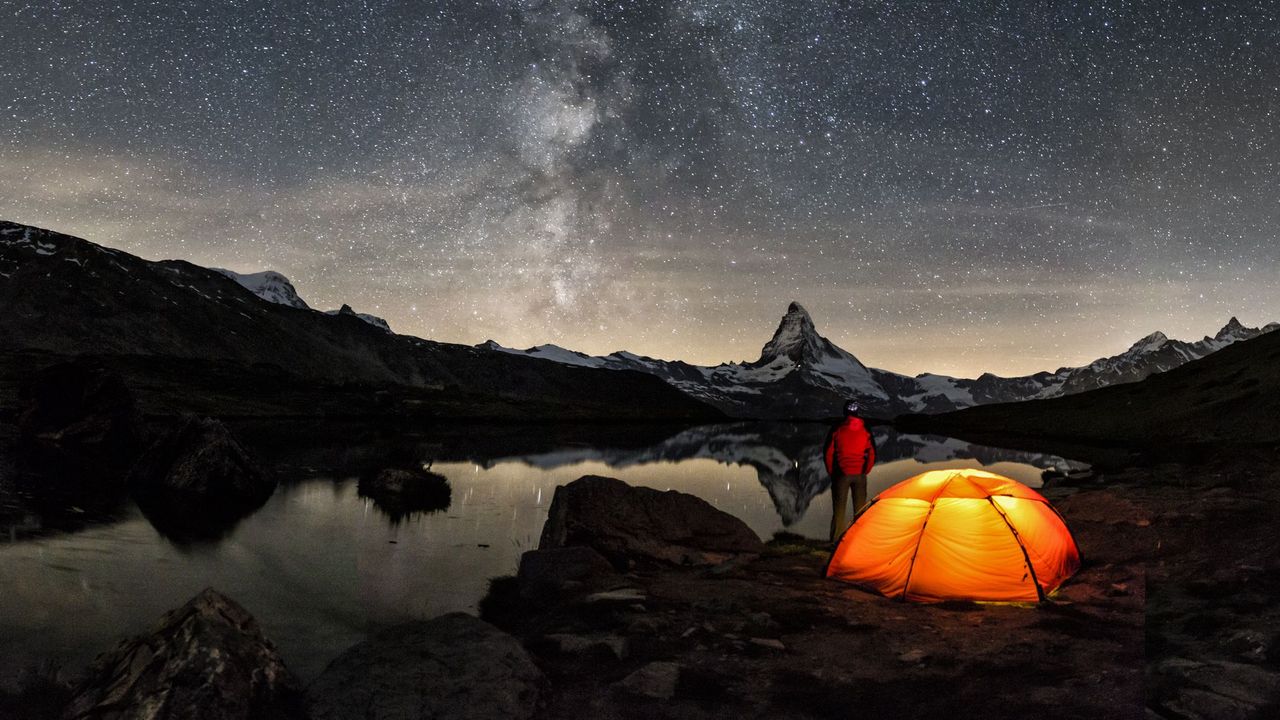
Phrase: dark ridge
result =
(189, 339)
(1231, 397)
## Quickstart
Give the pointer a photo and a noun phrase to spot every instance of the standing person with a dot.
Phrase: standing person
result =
(850, 455)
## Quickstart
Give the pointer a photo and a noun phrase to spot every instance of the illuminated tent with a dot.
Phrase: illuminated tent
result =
(957, 535)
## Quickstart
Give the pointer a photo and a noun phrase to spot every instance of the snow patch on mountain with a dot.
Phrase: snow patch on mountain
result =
(554, 353)
(373, 320)
(268, 285)
(934, 387)
(21, 235)
(276, 288)
(1150, 343)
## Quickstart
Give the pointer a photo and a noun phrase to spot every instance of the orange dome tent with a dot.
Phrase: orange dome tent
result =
(957, 535)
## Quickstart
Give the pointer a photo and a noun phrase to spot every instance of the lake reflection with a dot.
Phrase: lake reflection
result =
(320, 566)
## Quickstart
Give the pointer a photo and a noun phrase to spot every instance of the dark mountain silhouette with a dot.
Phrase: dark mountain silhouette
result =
(190, 338)
(1229, 397)
(248, 344)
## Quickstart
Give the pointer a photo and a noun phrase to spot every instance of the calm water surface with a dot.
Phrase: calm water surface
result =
(320, 566)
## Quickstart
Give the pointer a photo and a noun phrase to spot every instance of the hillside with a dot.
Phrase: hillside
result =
(189, 337)
(1229, 397)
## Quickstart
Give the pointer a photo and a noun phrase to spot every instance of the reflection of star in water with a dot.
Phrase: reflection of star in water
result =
(787, 461)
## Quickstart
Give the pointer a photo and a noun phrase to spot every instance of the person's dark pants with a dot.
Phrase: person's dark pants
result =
(840, 486)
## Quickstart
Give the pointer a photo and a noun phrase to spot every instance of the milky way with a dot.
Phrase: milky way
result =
(956, 187)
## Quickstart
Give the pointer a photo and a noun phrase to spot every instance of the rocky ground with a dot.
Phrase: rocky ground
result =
(769, 637)
(1173, 615)
(1212, 616)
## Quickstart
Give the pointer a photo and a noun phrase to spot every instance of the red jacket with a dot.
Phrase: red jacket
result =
(849, 448)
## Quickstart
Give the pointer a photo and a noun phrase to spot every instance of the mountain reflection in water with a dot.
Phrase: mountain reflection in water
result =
(320, 566)
(787, 458)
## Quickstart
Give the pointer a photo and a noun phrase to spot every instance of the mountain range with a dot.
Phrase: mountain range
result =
(112, 303)
(799, 372)
(274, 287)
(822, 367)
(188, 338)
(1205, 410)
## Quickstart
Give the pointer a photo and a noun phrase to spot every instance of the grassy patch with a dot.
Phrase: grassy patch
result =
(787, 544)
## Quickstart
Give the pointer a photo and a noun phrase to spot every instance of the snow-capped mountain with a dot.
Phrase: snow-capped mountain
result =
(268, 285)
(373, 320)
(1152, 354)
(274, 287)
(800, 373)
(796, 345)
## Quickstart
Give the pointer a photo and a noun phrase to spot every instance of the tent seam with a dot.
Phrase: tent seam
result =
(1025, 557)
(1074, 543)
(920, 538)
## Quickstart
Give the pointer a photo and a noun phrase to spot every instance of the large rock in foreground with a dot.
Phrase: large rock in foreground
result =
(207, 660)
(546, 576)
(455, 666)
(626, 524)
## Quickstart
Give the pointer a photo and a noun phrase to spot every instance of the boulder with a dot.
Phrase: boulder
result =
(626, 596)
(615, 646)
(1248, 645)
(914, 656)
(558, 573)
(196, 481)
(400, 493)
(657, 680)
(626, 524)
(206, 660)
(1217, 689)
(79, 418)
(455, 666)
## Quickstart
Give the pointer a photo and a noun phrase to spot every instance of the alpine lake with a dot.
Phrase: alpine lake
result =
(321, 567)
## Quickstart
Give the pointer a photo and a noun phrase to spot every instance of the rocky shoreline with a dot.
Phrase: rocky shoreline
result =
(670, 610)
(767, 636)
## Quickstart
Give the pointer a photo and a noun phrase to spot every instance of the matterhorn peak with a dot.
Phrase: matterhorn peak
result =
(795, 333)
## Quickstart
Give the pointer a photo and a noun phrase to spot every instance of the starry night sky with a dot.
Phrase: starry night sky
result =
(948, 186)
